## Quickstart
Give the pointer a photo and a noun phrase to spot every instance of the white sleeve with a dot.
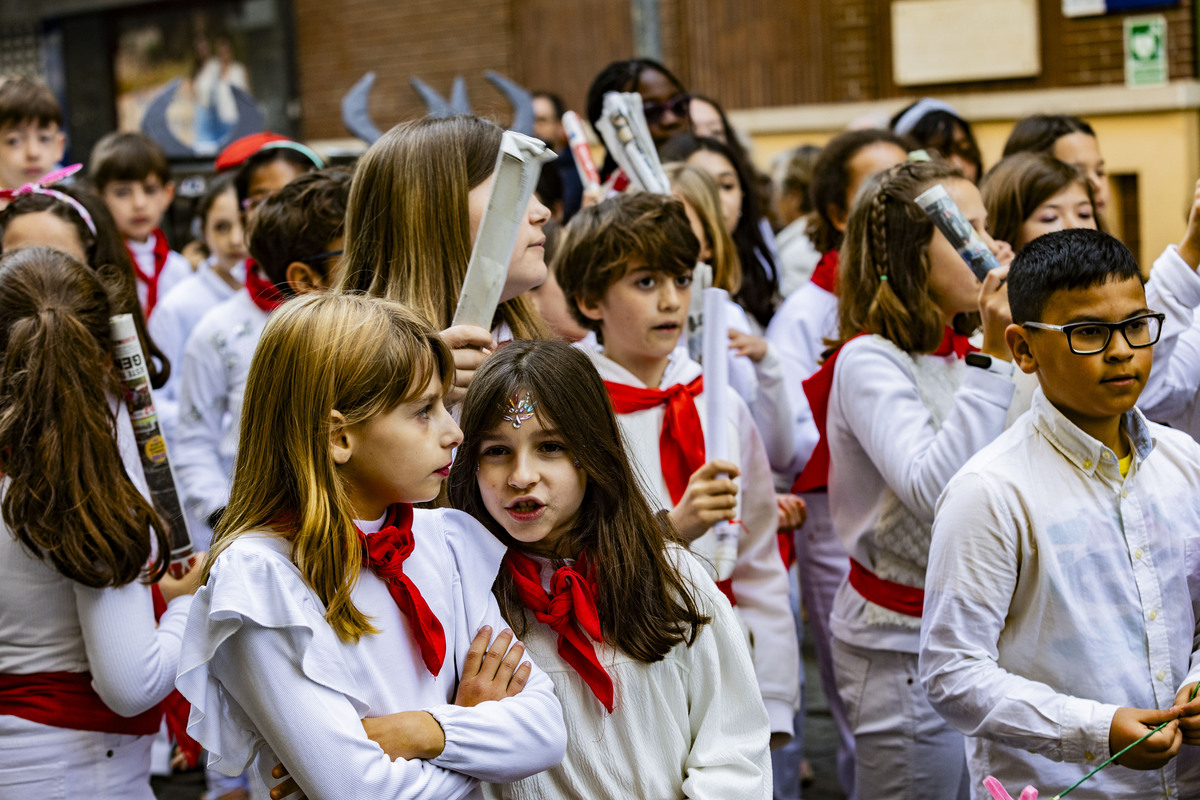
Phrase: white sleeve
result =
(760, 583)
(314, 730)
(884, 411)
(969, 585)
(132, 661)
(203, 401)
(1173, 289)
(794, 344)
(730, 754)
(761, 386)
(167, 330)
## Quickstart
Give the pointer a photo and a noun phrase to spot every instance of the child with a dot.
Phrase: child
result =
(75, 221)
(264, 163)
(1030, 194)
(932, 125)
(794, 211)
(665, 101)
(82, 665)
(661, 671)
(217, 278)
(625, 267)
(31, 137)
(902, 414)
(1070, 140)
(296, 242)
(1060, 620)
(291, 644)
(418, 198)
(131, 173)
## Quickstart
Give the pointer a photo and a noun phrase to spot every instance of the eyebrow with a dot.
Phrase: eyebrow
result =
(1085, 318)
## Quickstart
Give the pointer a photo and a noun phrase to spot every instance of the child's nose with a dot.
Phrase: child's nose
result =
(523, 474)
(669, 296)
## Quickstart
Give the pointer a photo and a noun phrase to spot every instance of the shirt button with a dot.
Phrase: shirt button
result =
(1153, 615)
(1124, 493)
(1087, 464)
(1161, 675)
(1137, 553)
(1089, 756)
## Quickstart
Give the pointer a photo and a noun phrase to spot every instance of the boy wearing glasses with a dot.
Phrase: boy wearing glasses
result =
(1061, 592)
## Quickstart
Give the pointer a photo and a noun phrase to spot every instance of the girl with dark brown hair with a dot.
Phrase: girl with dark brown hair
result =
(82, 665)
(644, 650)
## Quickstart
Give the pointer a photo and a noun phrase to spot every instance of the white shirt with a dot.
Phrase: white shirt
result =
(175, 270)
(174, 317)
(1057, 592)
(882, 440)
(1169, 396)
(216, 362)
(797, 257)
(269, 680)
(691, 725)
(762, 386)
(759, 579)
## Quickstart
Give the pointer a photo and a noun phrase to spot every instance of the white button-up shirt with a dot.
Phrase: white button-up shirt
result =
(1057, 592)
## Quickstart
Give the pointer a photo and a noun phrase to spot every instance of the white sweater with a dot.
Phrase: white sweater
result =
(759, 579)
(175, 270)
(269, 680)
(691, 725)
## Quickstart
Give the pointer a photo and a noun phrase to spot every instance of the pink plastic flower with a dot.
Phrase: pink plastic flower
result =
(998, 792)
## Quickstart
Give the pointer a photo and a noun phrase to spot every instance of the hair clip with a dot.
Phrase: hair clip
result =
(520, 408)
(883, 278)
(40, 187)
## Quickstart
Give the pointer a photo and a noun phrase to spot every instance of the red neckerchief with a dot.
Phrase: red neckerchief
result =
(815, 476)
(384, 553)
(174, 706)
(826, 273)
(569, 609)
(681, 443)
(264, 293)
(161, 250)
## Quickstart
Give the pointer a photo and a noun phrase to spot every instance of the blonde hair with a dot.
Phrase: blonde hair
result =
(318, 354)
(408, 231)
(698, 189)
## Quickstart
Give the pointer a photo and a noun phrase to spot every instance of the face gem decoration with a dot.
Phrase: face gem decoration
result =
(520, 408)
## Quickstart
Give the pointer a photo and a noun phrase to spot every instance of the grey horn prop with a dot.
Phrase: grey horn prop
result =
(355, 114)
(154, 123)
(518, 97)
(437, 105)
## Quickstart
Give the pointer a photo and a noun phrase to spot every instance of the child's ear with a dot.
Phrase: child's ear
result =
(838, 216)
(1017, 339)
(169, 191)
(590, 309)
(342, 439)
(303, 278)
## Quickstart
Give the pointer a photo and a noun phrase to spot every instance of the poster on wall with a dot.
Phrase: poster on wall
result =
(1094, 8)
(1146, 51)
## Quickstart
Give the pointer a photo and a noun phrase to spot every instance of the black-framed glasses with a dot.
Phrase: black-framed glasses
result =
(678, 105)
(312, 261)
(1089, 338)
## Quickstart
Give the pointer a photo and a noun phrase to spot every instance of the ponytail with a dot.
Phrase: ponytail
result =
(68, 496)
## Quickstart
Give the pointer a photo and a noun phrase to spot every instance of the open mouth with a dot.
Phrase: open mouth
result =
(526, 509)
(667, 327)
(444, 471)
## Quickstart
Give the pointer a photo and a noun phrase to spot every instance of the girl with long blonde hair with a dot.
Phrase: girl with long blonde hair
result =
(329, 598)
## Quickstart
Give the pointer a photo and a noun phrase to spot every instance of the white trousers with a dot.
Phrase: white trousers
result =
(40, 762)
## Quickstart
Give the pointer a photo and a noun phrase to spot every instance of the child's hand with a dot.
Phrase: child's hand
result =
(188, 583)
(752, 347)
(286, 786)
(707, 500)
(1188, 709)
(1131, 724)
(494, 674)
(1002, 251)
(993, 308)
(471, 345)
(1189, 245)
(792, 511)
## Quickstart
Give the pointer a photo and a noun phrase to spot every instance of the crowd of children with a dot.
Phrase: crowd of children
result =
(454, 561)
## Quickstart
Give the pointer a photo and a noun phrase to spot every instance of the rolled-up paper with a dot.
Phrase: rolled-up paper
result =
(701, 280)
(130, 362)
(945, 213)
(716, 413)
(581, 152)
(627, 138)
(518, 165)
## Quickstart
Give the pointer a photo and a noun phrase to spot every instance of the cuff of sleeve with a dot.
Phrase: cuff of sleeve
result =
(781, 716)
(770, 368)
(1084, 731)
(455, 754)
(1176, 277)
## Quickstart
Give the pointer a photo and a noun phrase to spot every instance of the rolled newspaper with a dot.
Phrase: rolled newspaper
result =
(518, 165)
(716, 413)
(152, 448)
(627, 138)
(581, 151)
(945, 213)
(701, 280)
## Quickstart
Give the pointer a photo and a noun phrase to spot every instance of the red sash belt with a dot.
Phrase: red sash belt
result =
(906, 600)
(67, 700)
(726, 587)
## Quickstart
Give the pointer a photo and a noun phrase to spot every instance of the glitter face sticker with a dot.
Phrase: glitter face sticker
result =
(520, 408)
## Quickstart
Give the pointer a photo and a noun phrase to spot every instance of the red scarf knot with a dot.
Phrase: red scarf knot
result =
(569, 609)
(264, 293)
(162, 249)
(826, 273)
(384, 553)
(681, 443)
(955, 343)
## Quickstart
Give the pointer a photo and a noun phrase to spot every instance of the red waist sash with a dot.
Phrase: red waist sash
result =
(906, 600)
(67, 700)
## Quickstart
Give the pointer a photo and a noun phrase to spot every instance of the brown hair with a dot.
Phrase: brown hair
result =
(602, 241)
(126, 156)
(831, 181)
(1018, 184)
(645, 605)
(698, 189)
(883, 280)
(321, 353)
(106, 254)
(25, 100)
(408, 230)
(1040, 132)
(69, 497)
(298, 221)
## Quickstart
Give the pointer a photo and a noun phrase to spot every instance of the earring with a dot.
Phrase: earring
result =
(577, 464)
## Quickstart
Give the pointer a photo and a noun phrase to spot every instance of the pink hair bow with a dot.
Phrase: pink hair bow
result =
(998, 792)
(40, 186)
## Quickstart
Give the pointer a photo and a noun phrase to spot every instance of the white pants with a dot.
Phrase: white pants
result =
(903, 748)
(823, 567)
(40, 762)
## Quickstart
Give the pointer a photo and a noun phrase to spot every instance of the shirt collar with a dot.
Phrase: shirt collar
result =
(1082, 450)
